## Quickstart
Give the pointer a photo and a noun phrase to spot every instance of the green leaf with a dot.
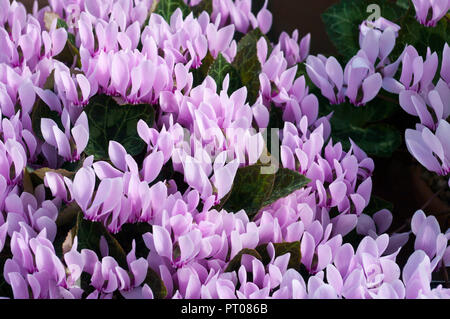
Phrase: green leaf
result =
(156, 284)
(204, 5)
(40, 172)
(404, 4)
(346, 113)
(166, 8)
(109, 121)
(235, 263)
(41, 110)
(218, 71)
(282, 249)
(342, 22)
(286, 182)
(377, 140)
(201, 72)
(250, 190)
(253, 190)
(89, 234)
(362, 125)
(247, 63)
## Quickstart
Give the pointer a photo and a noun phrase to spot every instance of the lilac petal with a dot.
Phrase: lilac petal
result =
(422, 111)
(264, 19)
(383, 220)
(307, 249)
(62, 143)
(359, 203)
(120, 75)
(392, 85)
(83, 187)
(27, 96)
(406, 102)
(433, 142)
(81, 137)
(117, 154)
(371, 45)
(338, 190)
(422, 153)
(152, 166)
(59, 39)
(345, 224)
(371, 86)
(445, 68)
(334, 278)
(19, 286)
(387, 43)
(343, 257)
(442, 133)
(162, 241)
(139, 269)
(224, 177)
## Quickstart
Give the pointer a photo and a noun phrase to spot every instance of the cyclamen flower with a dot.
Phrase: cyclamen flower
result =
(358, 81)
(379, 26)
(377, 45)
(430, 239)
(13, 128)
(35, 271)
(417, 73)
(432, 150)
(341, 170)
(429, 111)
(367, 273)
(438, 8)
(239, 13)
(125, 12)
(13, 160)
(67, 88)
(278, 86)
(70, 143)
(33, 213)
(416, 276)
(107, 276)
(294, 52)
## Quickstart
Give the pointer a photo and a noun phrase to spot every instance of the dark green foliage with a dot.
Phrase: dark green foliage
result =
(109, 121)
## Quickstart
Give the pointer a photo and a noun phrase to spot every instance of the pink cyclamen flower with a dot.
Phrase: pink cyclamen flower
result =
(438, 8)
(430, 239)
(70, 143)
(36, 213)
(417, 72)
(432, 150)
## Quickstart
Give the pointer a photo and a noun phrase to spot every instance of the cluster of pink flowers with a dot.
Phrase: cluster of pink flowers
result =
(205, 135)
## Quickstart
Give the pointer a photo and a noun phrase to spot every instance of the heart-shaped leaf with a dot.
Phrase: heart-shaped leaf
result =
(247, 63)
(235, 263)
(286, 182)
(109, 121)
(253, 190)
(89, 234)
(281, 249)
(218, 71)
(250, 190)
(166, 8)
